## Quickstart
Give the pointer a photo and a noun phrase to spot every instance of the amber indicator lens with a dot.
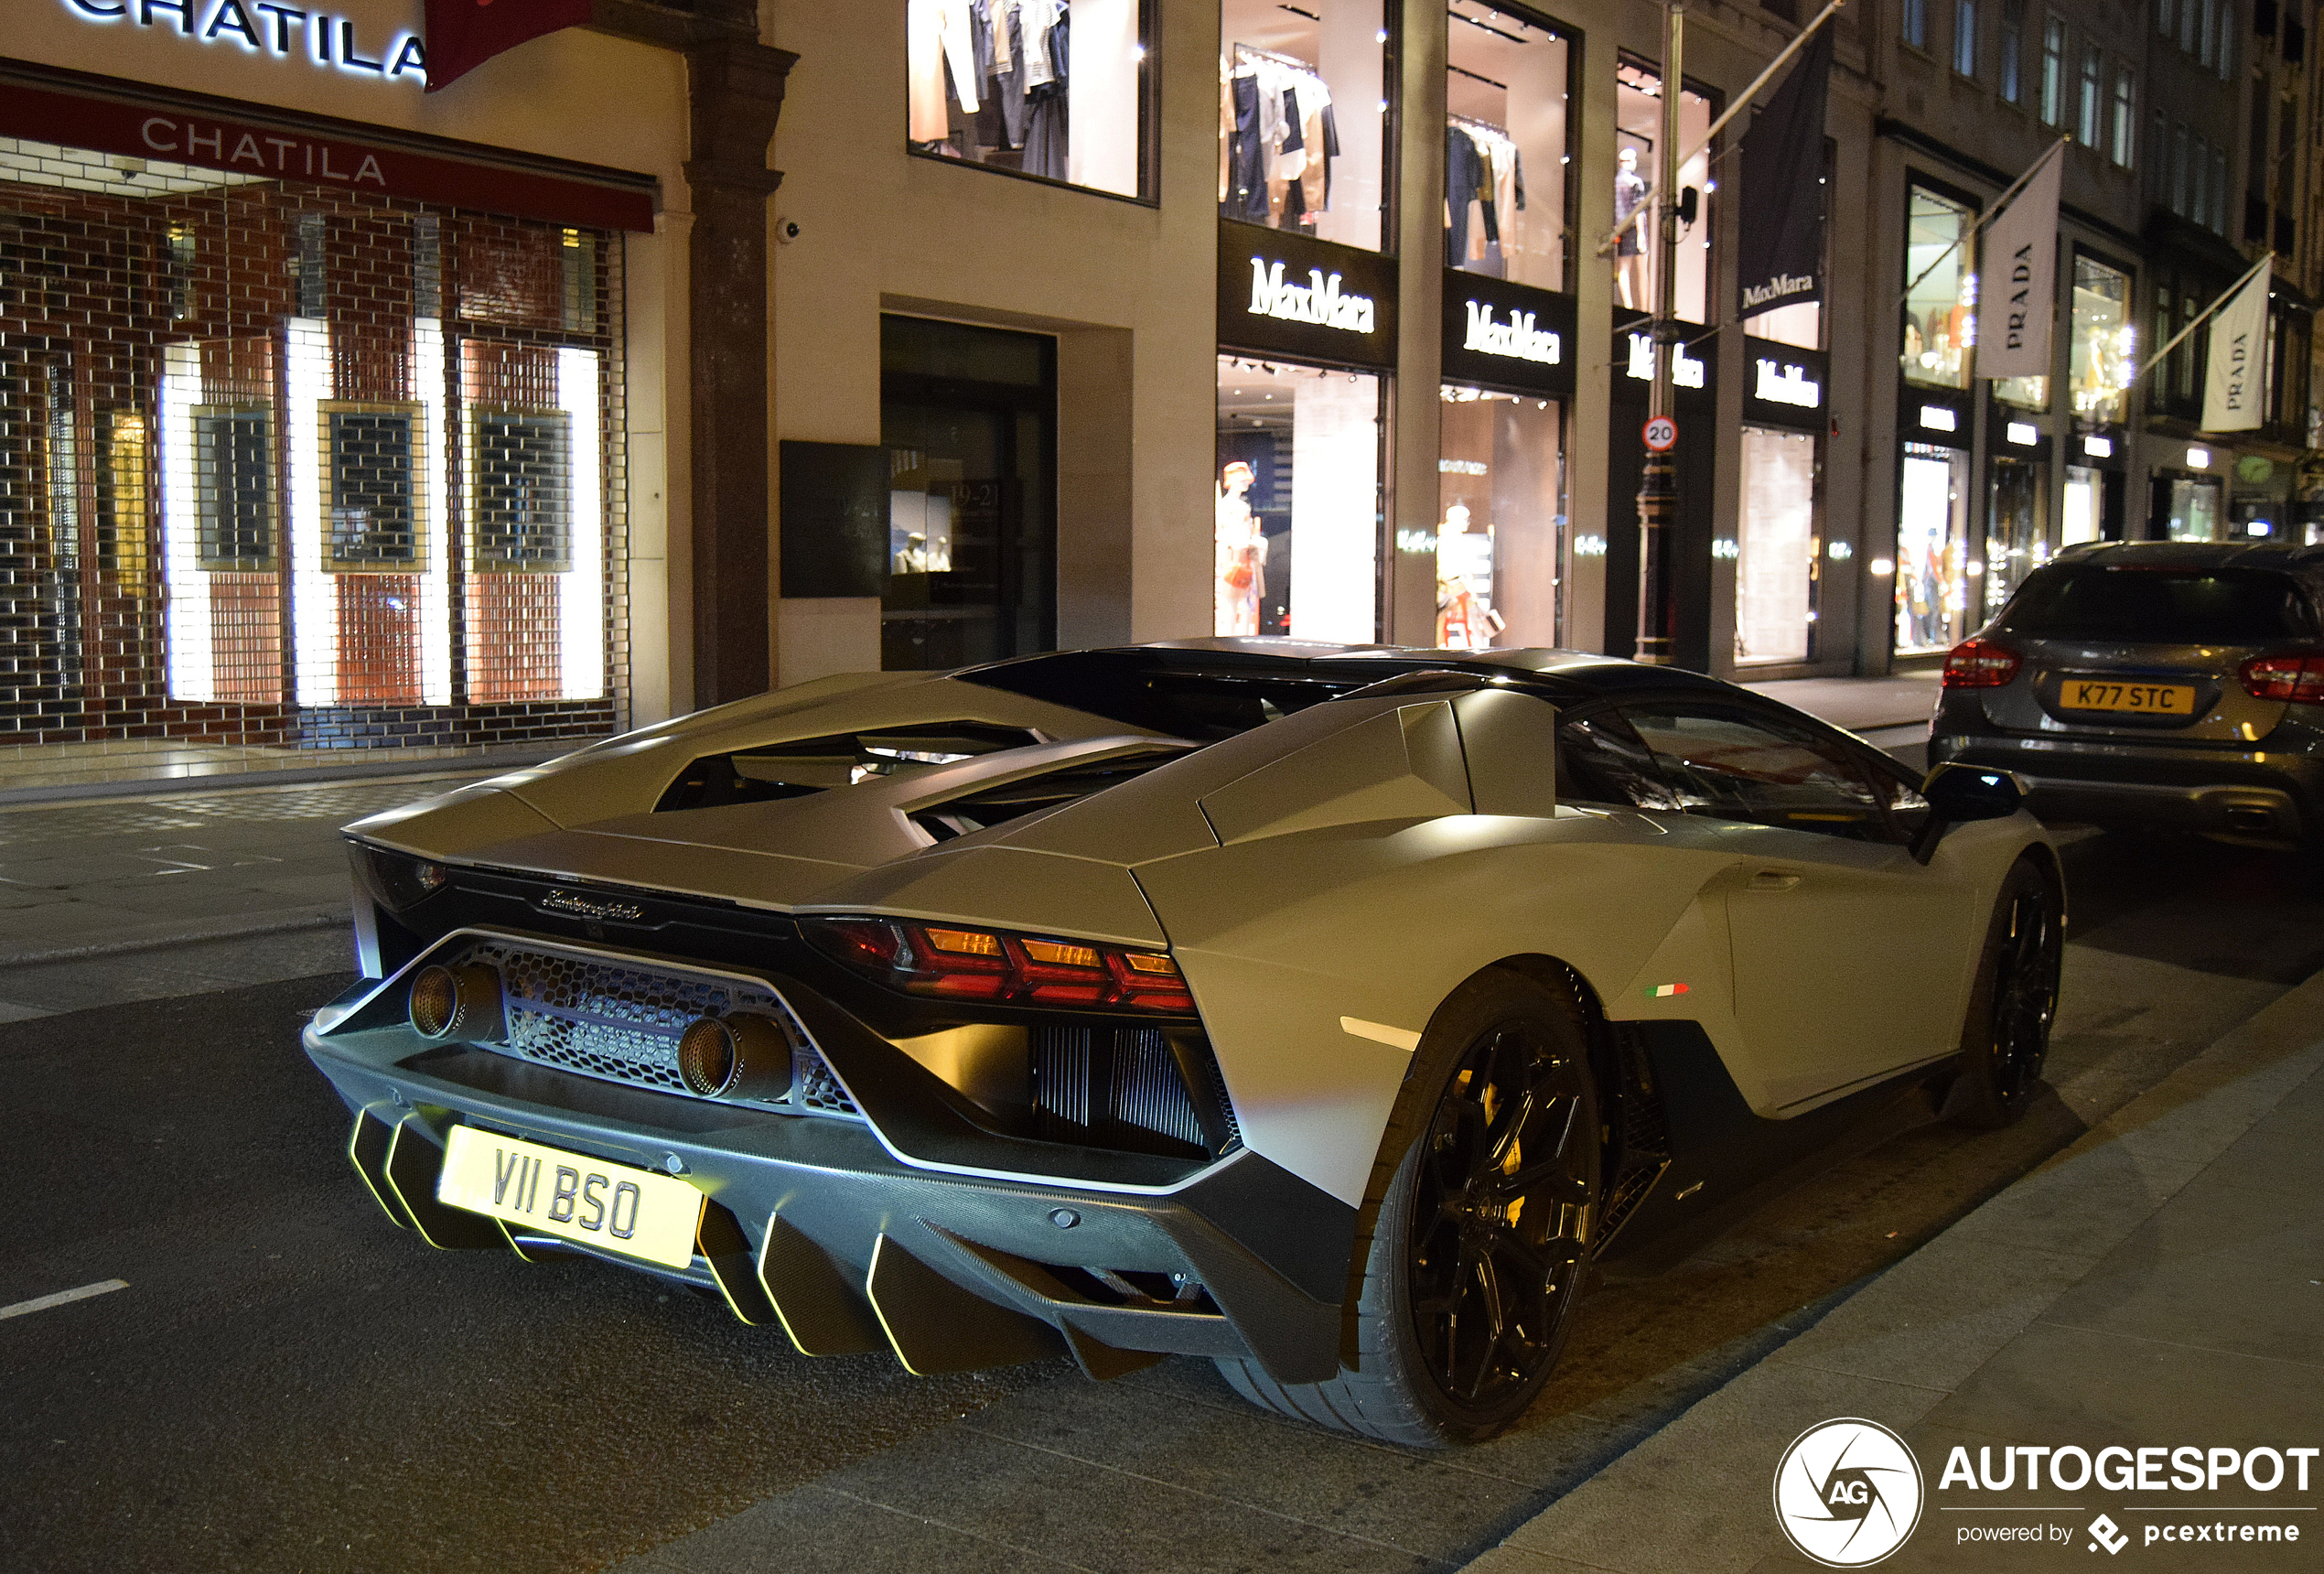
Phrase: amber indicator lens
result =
(1062, 953)
(963, 942)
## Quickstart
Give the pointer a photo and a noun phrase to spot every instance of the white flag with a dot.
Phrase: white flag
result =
(2234, 380)
(2017, 285)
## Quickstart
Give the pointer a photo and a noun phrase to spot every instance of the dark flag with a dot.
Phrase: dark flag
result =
(1779, 260)
(464, 34)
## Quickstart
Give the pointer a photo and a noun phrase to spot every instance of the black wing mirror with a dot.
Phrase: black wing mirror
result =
(1959, 794)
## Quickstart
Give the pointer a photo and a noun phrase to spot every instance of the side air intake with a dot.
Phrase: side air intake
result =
(1145, 1090)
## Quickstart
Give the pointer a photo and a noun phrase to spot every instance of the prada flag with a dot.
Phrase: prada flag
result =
(2017, 285)
(464, 34)
(2234, 379)
(1779, 260)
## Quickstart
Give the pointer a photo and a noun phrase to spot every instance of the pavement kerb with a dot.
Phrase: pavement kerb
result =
(1694, 1495)
(180, 934)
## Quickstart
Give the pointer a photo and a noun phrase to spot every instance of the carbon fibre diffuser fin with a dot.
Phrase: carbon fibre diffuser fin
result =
(936, 1327)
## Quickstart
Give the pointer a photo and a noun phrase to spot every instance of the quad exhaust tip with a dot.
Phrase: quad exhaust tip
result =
(457, 1004)
(737, 1056)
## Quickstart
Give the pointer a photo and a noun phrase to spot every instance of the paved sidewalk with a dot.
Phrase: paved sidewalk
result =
(2156, 1283)
(1860, 705)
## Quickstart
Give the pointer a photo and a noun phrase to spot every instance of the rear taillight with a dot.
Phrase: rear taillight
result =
(1979, 663)
(990, 965)
(2300, 679)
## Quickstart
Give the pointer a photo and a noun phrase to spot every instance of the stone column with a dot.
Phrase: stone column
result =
(736, 90)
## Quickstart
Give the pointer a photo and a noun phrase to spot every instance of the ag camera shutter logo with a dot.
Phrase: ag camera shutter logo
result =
(1847, 1493)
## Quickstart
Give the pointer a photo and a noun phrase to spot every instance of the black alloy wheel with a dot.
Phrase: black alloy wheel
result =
(1501, 1205)
(1475, 1234)
(2007, 1037)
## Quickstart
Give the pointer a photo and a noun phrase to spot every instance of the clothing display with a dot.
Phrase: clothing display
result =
(1277, 139)
(1629, 195)
(1241, 569)
(1482, 171)
(1009, 67)
(936, 33)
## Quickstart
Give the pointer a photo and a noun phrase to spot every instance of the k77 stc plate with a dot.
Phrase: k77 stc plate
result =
(2138, 699)
(588, 1201)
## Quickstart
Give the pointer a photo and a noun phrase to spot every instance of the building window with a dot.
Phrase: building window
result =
(1637, 113)
(1303, 116)
(1912, 18)
(2207, 32)
(1501, 516)
(2179, 170)
(2053, 72)
(2125, 119)
(1506, 89)
(1965, 36)
(1937, 305)
(2105, 352)
(2086, 120)
(1775, 560)
(2219, 192)
(521, 469)
(2166, 16)
(371, 465)
(1297, 495)
(2226, 49)
(234, 487)
(2017, 533)
(2012, 29)
(1001, 88)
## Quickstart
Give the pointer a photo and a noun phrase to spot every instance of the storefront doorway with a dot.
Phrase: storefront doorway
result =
(969, 418)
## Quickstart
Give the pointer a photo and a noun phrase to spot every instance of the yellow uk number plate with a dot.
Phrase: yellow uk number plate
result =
(2139, 699)
(552, 1193)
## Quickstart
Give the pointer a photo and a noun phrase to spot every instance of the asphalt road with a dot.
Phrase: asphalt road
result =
(288, 1383)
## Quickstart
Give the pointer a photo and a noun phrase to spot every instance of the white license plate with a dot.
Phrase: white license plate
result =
(2135, 700)
(552, 1193)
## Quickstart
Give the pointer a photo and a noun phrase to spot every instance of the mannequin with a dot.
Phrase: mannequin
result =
(1630, 219)
(1242, 581)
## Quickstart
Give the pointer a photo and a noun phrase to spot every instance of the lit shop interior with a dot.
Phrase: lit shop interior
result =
(1500, 520)
(1506, 85)
(1303, 96)
(1934, 560)
(1638, 122)
(1061, 91)
(1298, 494)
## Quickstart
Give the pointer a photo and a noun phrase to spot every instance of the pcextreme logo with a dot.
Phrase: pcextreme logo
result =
(1847, 1493)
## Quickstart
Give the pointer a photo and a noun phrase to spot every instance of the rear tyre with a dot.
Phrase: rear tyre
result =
(1474, 1239)
(2006, 1036)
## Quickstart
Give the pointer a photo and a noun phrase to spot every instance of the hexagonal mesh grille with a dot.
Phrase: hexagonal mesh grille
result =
(620, 1022)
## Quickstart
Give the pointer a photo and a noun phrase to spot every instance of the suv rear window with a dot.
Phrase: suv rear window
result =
(2159, 606)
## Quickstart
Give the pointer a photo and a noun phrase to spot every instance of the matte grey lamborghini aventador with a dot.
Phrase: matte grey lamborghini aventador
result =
(1326, 1011)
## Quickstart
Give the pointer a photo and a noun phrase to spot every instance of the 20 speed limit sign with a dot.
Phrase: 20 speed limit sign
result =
(1661, 435)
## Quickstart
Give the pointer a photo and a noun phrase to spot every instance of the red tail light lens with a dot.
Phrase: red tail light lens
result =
(2300, 679)
(1979, 663)
(992, 964)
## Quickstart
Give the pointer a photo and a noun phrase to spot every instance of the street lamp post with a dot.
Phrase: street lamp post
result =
(1657, 483)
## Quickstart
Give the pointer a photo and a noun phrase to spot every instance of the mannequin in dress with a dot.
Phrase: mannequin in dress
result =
(1241, 580)
(1630, 219)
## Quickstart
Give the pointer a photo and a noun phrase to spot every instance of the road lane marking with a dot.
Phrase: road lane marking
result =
(42, 1303)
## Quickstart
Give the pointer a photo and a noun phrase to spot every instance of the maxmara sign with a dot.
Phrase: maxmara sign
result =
(313, 39)
(1319, 301)
(1517, 338)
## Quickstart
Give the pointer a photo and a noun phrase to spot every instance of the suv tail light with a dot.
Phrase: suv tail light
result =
(1979, 663)
(960, 964)
(2300, 679)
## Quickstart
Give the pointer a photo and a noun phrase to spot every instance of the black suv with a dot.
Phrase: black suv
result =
(2164, 683)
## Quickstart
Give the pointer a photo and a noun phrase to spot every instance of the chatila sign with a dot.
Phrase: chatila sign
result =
(289, 33)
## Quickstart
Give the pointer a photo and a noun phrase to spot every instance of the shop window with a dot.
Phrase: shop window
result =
(1297, 499)
(1500, 520)
(1638, 123)
(1506, 152)
(1938, 307)
(234, 487)
(1913, 22)
(1933, 549)
(1964, 38)
(2086, 120)
(369, 455)
(524, 487)
(2104, 349)
(2084, 514)
(2194, 512)
(1775, 565)
(2017, 528)
(1303, 117)
(1056, 89)
(121, 495)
